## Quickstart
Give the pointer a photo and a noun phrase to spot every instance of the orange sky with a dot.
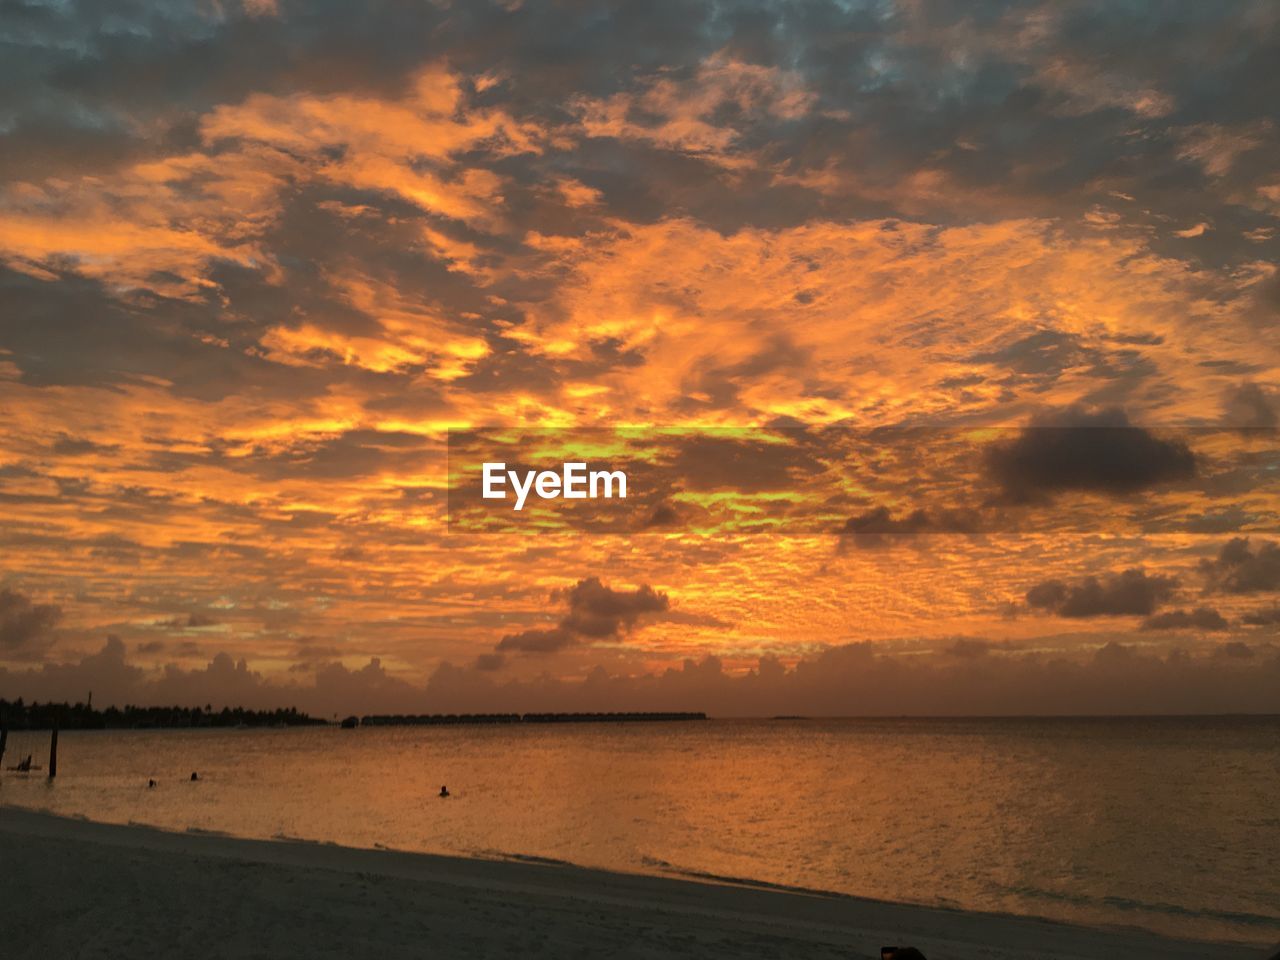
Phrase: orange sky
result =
(247, 292)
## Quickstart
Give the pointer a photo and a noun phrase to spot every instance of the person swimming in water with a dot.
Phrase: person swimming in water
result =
(444, 791)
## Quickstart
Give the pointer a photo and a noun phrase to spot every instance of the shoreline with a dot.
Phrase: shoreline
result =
(142, 891)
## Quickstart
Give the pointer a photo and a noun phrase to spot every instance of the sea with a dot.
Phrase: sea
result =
(1167, 824)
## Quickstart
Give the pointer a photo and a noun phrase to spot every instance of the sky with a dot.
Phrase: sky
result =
(950, 324)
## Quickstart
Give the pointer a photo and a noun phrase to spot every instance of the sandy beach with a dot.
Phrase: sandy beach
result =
(75, 889)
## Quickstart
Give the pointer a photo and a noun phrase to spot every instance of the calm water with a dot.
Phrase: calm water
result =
(1172, 825)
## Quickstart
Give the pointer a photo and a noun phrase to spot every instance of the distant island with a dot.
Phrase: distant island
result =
(17, 715)
(434, 719)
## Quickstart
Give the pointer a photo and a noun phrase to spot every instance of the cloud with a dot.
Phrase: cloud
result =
(878, 527)
(663, 516)
(596, 612)
(371, 687)
(223, 681)
(107, 673)
(1083, 87)
(168, 223)
(1094, 452)
(24, 625)
(257, 265)
(970, 648)
(850, 680)
(876, 524)
(689, 115)
(859, 680)
(1265, 617)
(1242, 568)
(191, 621)
(1201, 618)
(1130, 593)
(535, 641)
(1235, 650)
(490, 661)
(1250, 406)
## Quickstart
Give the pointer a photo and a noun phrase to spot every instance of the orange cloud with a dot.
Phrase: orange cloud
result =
(832, 320)
(160, 224)
(683, 110)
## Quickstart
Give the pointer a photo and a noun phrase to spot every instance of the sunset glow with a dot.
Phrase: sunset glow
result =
(245, 299)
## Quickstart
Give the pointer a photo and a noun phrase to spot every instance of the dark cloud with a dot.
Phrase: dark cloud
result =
(599, 611)
(1226, 520)
(1251, 406)
(106, 672)
(664, 515)
(1201, 618)
(1130, 593)
(1094, 452)
(1266, 617)
(25, 625)
(317, 651)
(852, 680)
(878, 527)
(1240, 567)
(491, 661)
(338, 688)
(187, 650)
(549, 640)
(878, 523)
(1042, 358)
(596, 612)
(190, 621)
(969, 648)
(354, 453)
(709, 461)
(69, 446)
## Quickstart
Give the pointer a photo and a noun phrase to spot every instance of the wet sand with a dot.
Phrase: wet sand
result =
(74, 889)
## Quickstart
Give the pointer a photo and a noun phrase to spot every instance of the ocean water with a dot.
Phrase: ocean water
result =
(1167, 824)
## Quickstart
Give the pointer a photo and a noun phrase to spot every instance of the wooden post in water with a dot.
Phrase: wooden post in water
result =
(53, 754)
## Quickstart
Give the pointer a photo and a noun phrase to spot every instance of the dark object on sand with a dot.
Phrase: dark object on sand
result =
(901, 953)
(350, 723)
(444, 791)
(194, 776)
(26, 766)
(150, 784)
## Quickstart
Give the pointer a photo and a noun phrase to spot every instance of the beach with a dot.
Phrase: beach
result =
(78, 889)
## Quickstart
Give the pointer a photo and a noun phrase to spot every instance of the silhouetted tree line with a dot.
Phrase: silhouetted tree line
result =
(17, 715)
